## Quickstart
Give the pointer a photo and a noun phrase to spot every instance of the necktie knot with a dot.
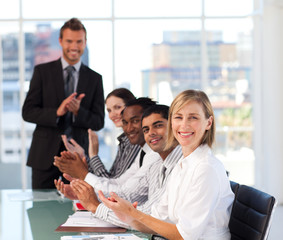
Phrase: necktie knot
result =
(70, 69)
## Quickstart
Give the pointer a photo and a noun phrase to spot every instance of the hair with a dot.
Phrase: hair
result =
(144, 102)
(180, 101)
(158, 109)
(125, 94)
(74, 24)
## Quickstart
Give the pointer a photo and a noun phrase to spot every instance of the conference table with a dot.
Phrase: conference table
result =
(35, 215)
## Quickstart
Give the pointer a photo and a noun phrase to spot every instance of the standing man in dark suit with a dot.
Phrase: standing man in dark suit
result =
(65, 97)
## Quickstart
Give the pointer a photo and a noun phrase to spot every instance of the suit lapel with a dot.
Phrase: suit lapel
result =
(83, 80)
(59, 81)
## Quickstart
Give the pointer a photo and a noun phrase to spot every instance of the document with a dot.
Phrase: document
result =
(124, 236)
(85, 219)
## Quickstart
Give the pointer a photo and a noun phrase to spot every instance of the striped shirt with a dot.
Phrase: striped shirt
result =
(149, 188)
(129, 177)
(126, 155)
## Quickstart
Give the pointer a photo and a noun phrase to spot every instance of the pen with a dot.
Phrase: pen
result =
(60, 194)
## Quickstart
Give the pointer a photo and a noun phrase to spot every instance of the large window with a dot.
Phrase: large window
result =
(154, 48)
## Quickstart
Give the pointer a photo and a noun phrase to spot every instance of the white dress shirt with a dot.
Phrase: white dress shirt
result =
(198, 197)
(127, 179)
(150, 186)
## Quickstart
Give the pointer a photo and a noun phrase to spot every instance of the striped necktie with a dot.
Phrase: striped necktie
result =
(69, 89)
(69, 83)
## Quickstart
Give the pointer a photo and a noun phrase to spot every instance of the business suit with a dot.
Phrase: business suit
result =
(45, 95)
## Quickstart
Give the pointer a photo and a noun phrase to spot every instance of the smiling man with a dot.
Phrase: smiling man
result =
(65, 97)
(131, 118)
(152, 183)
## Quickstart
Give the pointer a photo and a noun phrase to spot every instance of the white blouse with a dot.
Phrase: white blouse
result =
(198, 197)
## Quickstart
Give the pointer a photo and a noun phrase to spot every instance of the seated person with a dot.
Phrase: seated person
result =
(126, 154)
(131, 118)
(198, 197)
(153, 183)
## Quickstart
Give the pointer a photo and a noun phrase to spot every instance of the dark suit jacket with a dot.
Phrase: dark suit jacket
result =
(45, 95)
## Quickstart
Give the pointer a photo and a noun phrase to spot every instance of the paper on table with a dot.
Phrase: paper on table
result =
(103, 237)
(85, 219)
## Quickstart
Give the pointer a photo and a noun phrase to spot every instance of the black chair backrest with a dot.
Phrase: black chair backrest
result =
(251, 213)
(234, 186)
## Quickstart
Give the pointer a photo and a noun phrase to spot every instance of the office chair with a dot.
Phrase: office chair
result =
(251, 214)
(235, 187)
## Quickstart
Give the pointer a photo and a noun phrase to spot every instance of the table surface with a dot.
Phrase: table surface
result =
(34, 215)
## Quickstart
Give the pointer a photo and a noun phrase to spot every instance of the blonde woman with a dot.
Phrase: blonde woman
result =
(198, 198)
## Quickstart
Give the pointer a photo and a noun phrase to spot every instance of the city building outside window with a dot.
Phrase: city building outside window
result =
(154, 48)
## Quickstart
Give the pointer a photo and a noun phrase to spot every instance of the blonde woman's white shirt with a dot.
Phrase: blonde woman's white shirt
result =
(198, 197)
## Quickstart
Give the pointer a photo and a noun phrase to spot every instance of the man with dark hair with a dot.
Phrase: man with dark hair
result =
(73, 24)
(132, 128)
(65, 97)
(162, 110)
(149, 186)
(144, 102)
(131, 118)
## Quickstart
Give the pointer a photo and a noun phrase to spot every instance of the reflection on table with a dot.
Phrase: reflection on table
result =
(34, 215)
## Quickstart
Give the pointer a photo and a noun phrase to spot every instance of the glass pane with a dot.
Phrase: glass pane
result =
(10, 143)
(228, 7)
(229, 53)
(9, 9)
(99, 42)
(42, 45)
(66, 9)
(157, 8)
(151, 58)
(100, 60)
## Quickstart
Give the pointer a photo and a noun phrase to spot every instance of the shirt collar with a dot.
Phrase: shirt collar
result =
(123, 140)
(122, 137)
(65, 64)
(146, 148)
(195, 157)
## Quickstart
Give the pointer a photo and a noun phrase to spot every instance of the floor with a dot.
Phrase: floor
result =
(276, 229)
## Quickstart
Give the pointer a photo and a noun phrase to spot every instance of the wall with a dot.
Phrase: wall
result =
(268, 137)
